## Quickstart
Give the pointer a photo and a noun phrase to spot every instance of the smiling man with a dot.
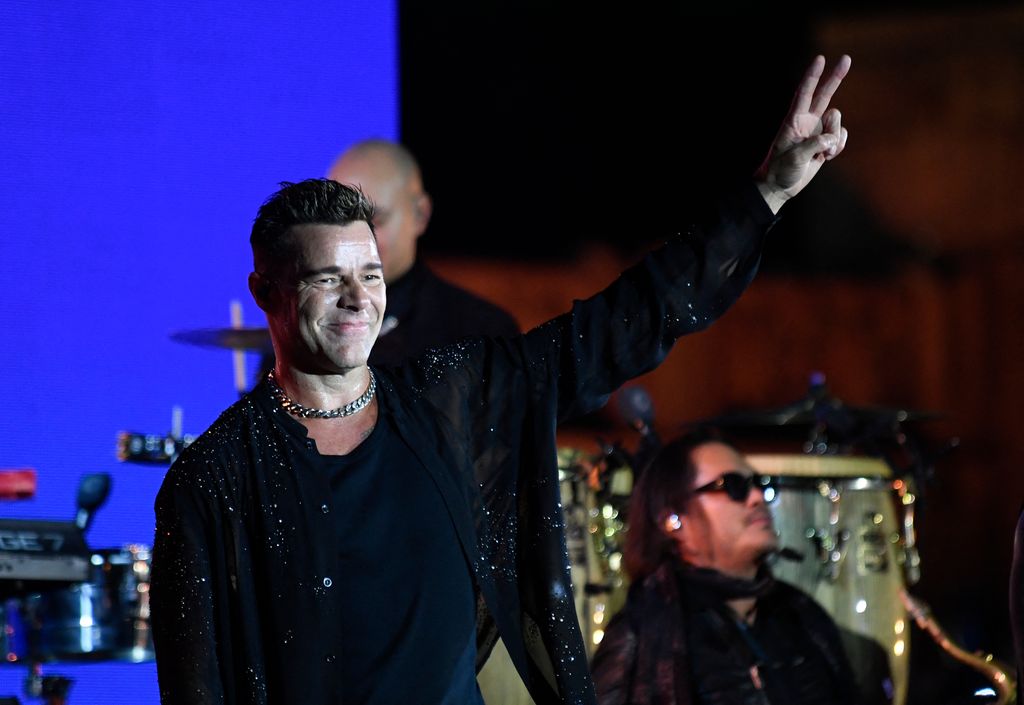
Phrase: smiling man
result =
(424, 310)
(705, 622)
(353, 534)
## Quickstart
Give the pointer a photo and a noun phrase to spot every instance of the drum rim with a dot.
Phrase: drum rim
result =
(798, 465)
(843, 484)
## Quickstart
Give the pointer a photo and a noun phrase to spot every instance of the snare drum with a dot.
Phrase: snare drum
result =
(840, 513)
(104, 619)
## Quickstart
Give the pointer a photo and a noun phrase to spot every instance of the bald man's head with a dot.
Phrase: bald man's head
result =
(389, 175)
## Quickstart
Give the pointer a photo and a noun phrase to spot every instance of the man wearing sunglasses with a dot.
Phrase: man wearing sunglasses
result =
(705, 621)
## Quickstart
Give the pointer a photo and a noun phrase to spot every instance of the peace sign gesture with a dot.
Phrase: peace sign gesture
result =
(810, 135)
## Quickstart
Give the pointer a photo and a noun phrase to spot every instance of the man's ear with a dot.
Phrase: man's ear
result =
(262, 290)
(423, 209)
(671, 523)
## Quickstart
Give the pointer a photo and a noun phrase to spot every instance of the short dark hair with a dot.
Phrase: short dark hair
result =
(665, 487)
(309, 202)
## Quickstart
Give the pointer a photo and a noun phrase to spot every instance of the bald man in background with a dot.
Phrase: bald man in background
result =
(423, 310)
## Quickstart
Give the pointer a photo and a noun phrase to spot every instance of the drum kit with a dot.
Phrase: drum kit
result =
(61, 600)
(844, 510)
(64, 602)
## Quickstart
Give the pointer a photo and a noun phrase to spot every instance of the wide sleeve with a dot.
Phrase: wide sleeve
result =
(494, 404)
(182, 591)
(628, 328)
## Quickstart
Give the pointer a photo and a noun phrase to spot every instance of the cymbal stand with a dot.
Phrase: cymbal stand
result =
(52, 689)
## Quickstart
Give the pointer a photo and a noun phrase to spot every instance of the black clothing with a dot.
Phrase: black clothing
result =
(677, 642)
(415, 582)
(241, 610)
(791, 666)
(424, 311)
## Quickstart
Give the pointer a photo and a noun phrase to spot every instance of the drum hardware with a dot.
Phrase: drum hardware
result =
(238, 338)
(828, 426)
(998, 673)
(834, 423)
(616, 473)
(872, 549)
(636, 409)
(831, 551)
(52, 689)
(594, 490)
(603, 485)
(152, 448)
(243, 339)
(831, 542)
(911, 558)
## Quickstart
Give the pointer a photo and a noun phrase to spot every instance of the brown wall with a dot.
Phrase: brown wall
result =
(935, 106)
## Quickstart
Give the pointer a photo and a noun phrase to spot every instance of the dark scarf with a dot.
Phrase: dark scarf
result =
(727, 587)
(644, 659)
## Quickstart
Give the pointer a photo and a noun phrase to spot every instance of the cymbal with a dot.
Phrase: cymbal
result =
(255, 339)
(810, 412)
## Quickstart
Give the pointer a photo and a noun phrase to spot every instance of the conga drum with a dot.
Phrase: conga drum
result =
(851, 521)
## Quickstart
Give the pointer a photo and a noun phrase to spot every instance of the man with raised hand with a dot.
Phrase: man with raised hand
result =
(347, 533)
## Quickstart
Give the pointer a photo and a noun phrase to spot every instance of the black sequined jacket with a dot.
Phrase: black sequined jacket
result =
(241, 610)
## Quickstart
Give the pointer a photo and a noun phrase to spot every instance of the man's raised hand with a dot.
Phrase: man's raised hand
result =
(811, 135)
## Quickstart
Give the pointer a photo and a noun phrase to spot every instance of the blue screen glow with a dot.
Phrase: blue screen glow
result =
(138, 140)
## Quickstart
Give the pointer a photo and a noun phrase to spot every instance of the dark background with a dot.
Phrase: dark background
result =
(545, 129)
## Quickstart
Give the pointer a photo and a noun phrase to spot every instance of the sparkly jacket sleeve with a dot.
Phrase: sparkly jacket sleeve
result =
(183, 597)
(682, 287)
(497, 403)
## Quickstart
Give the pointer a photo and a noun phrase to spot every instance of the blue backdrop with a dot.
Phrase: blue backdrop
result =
(137, 141)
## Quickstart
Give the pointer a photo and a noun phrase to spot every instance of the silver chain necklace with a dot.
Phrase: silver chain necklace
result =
(308, 412)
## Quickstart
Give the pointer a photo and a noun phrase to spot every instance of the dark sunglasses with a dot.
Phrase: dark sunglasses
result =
(737, 486)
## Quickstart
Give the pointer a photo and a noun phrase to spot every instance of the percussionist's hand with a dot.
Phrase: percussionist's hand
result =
(810, 136)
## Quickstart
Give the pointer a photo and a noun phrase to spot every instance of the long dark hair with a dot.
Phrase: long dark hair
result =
(664, 488)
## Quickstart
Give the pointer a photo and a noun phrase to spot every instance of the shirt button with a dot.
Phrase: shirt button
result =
(328, 582)
(329, 658)
(324, 508)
